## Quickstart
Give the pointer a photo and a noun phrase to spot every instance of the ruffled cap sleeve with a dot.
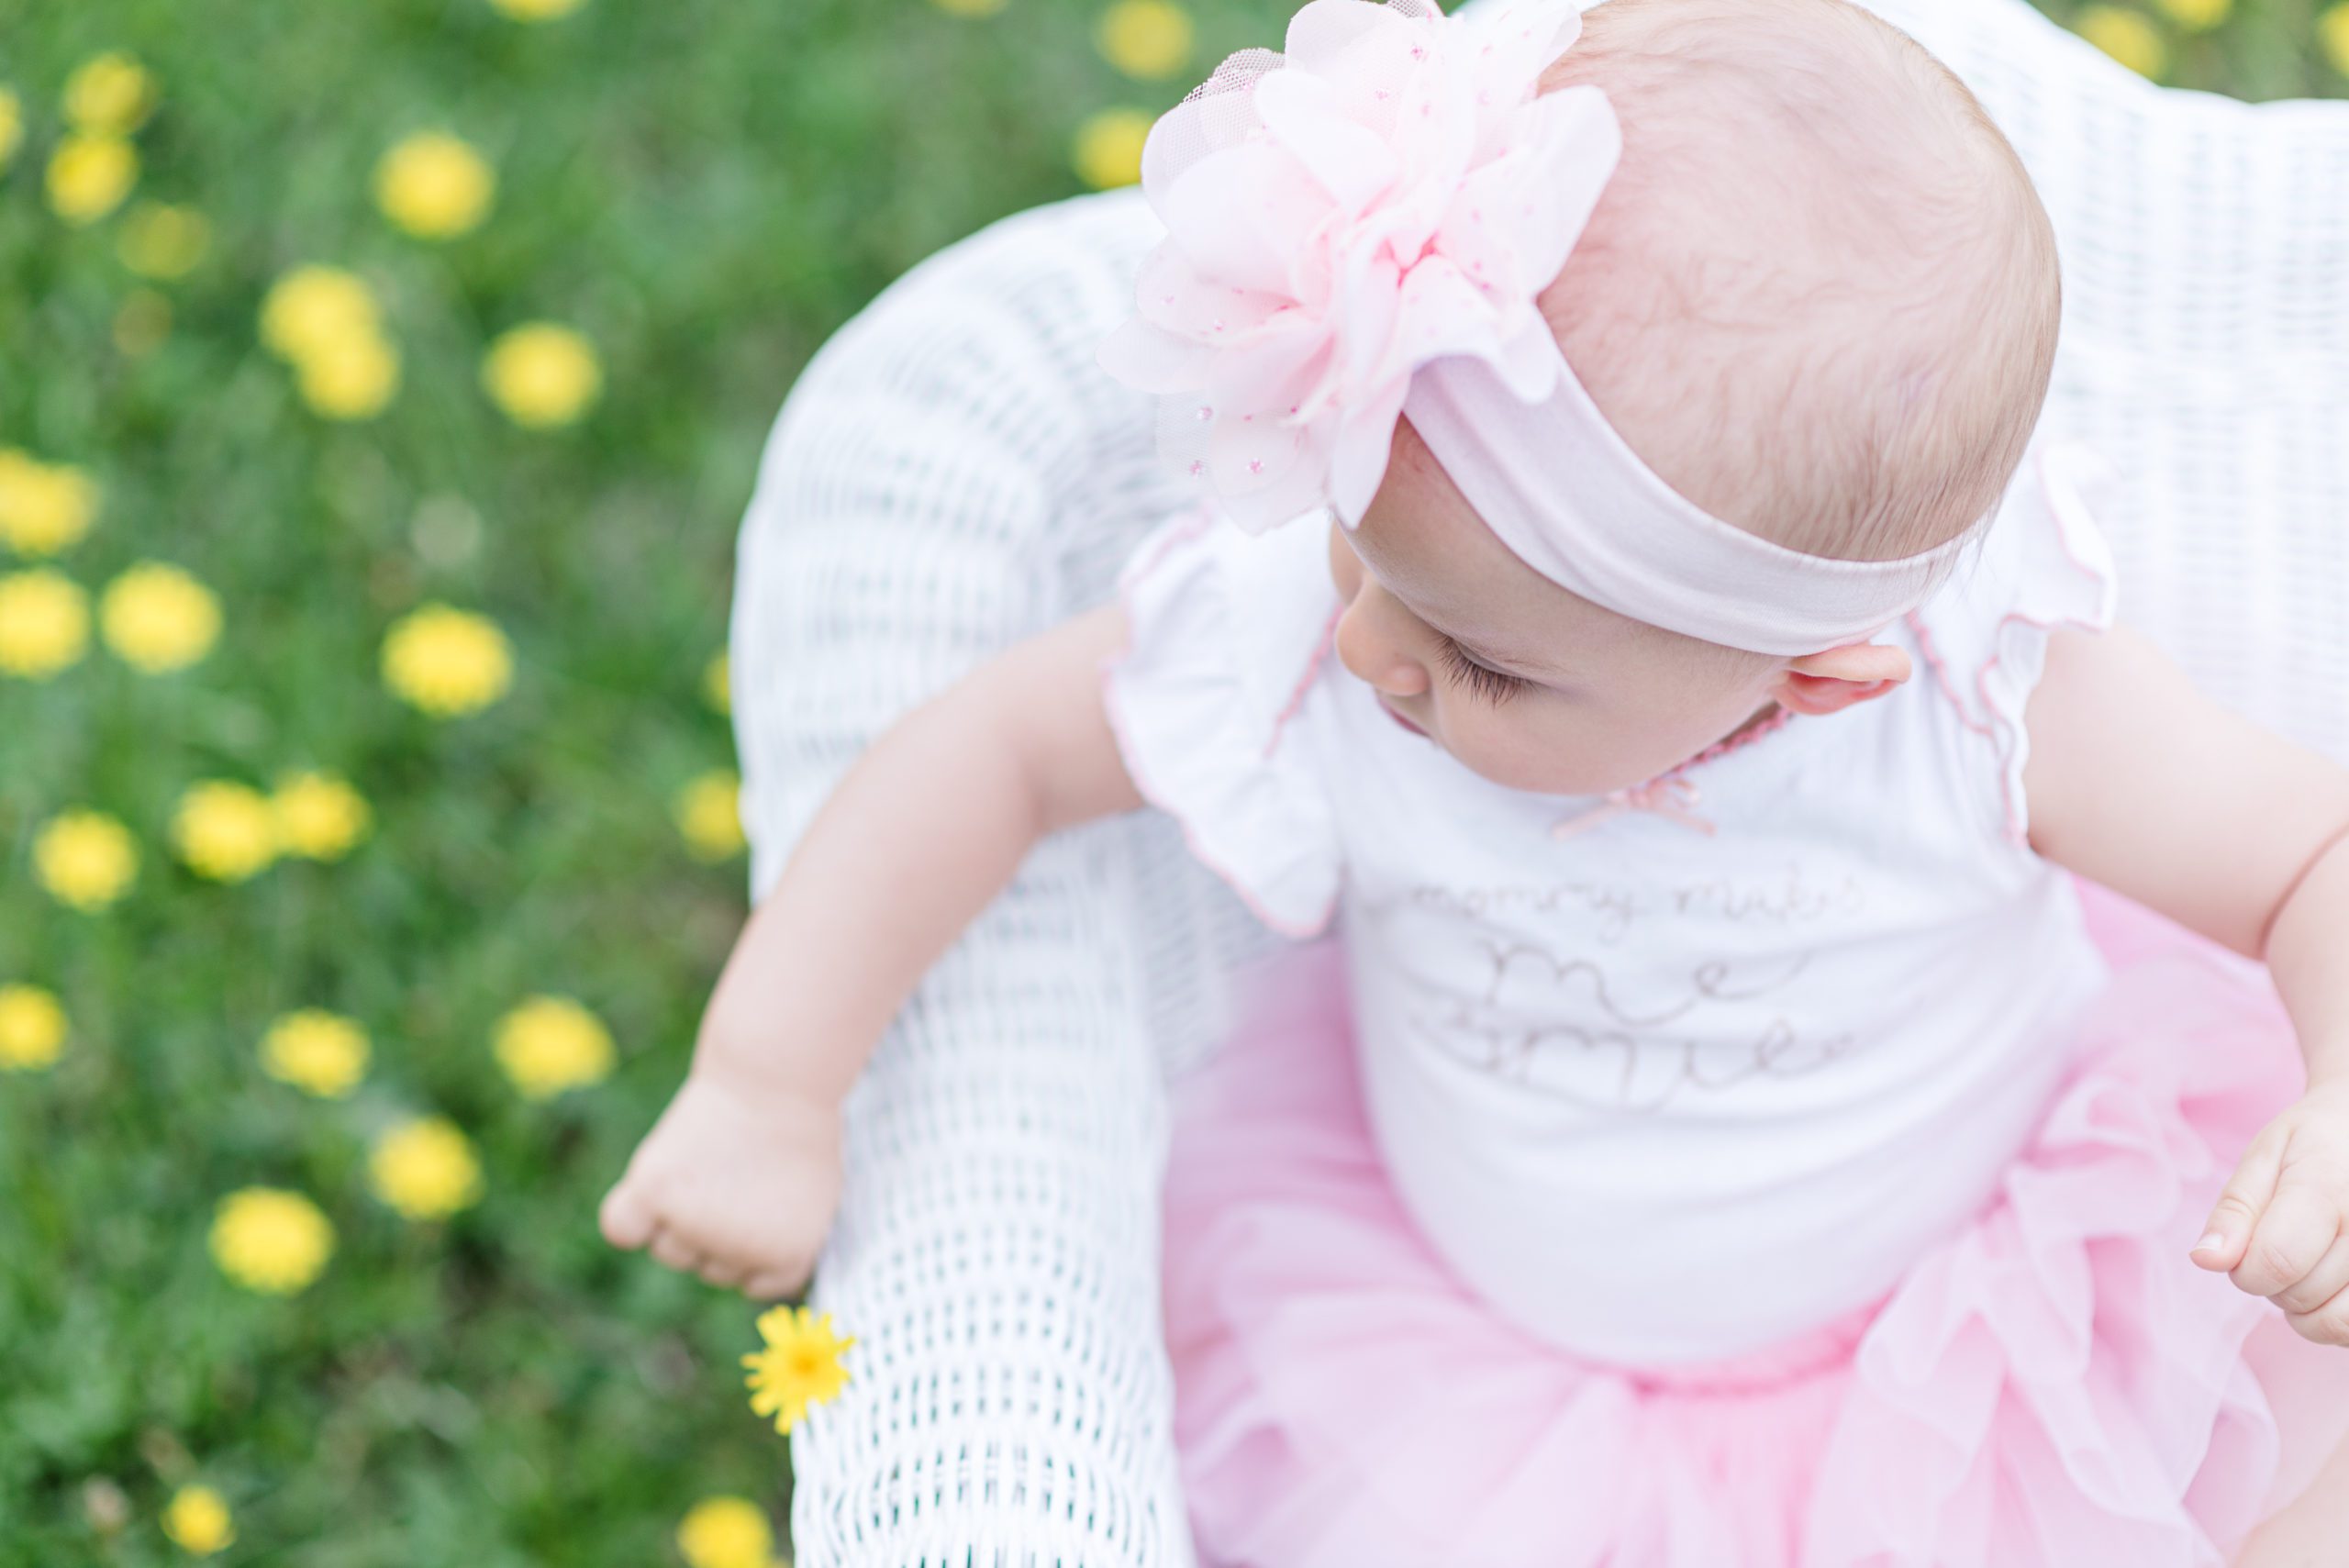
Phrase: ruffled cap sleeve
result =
(1212, 699)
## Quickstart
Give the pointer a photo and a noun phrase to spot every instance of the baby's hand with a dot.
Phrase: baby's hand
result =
(2281, 1227)
(736, 1182)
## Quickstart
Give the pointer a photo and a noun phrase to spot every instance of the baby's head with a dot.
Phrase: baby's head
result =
(1818, 297)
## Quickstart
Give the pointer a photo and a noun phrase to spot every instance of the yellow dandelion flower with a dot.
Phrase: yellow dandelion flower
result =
(162, 241)
(319, 816)
(541, 374)
(447, 661)
(142, 323)
(109, 94)
(717, 684)
(799, 1368)
(725, 1532)
(225, 831)
(353, 377)
(971, 9)
(2129, 37)
(272, 1240)
(434, 187)
(1108, 149)
(157, 619)
(424, 1169)
(318, 1052)
(537, 10)
(709, 813)
(550, 1044)
(44, 508)
(198, 1521)
(89, 175)
(2332, 34)
(12, 125)
(32, 1029)
(85, 858)
(44, 624)
(1146, 38)
(313, 308)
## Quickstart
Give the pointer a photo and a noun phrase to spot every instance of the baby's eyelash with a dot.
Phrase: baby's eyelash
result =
(1485, 684)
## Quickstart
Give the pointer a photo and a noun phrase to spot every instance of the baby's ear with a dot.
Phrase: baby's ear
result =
(1841, 678)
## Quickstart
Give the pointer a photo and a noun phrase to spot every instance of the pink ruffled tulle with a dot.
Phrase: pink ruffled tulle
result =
(2056, 1386)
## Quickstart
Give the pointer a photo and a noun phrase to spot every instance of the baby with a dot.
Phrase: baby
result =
(1631, 603)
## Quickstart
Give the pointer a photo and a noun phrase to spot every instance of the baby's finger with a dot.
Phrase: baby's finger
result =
(626, 1215)
(2293, 1231)
(2328, 1279)
(2328, 1325)
(671, 1249)
(723, 1273)
(2228, 1234)
(773, 1285)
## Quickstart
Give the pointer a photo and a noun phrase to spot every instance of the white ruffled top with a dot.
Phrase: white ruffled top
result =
(1612, 1070)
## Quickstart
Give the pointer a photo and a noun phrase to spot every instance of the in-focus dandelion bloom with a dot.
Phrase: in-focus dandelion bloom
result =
(157, 619)
(2332, 36)
(318, 1052)
(2129, 37)
(313, 308)
(197, 1521)
(424, 1169)
(89, 175)
(537, 10)
(44, 507)
(434, 185)
(162, 241)
(12, 125)
(85, 858)
(32, 1027)
(447, 661)
(550, 1044)
(109, 94)
(1108, 149)
(973, 9)
(44, 624)
(1146, 38)
(270, 1240)
(725, 1532)
(142, 323)
(225, 831)
(541, 374)
(354, 377)
(799, 1368)
(319, 816)
(717, 684)
(709, 814)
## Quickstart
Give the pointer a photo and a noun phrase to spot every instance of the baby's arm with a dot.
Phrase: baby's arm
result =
(2138, 782)
(737, 1180)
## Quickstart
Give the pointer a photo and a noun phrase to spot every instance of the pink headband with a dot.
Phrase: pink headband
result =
(1358, 229)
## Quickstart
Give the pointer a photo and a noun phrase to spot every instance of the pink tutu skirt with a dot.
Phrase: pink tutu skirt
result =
(2054, 1386)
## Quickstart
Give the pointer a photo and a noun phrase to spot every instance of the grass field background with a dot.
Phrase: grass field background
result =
(700, 192)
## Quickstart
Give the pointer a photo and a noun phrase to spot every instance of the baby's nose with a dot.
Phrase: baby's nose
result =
(1373, 641)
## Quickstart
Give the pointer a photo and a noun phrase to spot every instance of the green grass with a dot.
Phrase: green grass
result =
(706, 190)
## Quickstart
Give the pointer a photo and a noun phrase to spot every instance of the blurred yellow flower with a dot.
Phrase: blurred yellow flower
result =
(717, 684)
(972, 8)
(89, 175)
(225, 831)
(709, 813)
(85, 858)
(424, 1169)
(1147, 38)
(162, 241)
(142, 323)
(800, 1366)
(198, 1521)
(12, 125)
(44, 624)
(351, 378)
(109, 94)
(542, 374)
(44, 507)
(32, 1027)
(725, 1532)
(2331, 35)
(447, 661)
(319, 816)
(434, 187)
(537, 10)
(2129, 37)
(314, 307)
(1108, 151)
(2195, 16)
(318, 1052)
(157, 619)
(550, 1043)
(270, 1240)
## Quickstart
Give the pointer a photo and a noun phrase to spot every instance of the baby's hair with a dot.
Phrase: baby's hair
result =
(1820, 295)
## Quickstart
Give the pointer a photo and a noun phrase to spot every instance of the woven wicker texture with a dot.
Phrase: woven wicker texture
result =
(952, 472)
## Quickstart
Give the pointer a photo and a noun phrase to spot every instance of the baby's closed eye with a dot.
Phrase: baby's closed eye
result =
(1483, 681)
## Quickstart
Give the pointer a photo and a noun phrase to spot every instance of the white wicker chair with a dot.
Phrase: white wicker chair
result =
(952, 472)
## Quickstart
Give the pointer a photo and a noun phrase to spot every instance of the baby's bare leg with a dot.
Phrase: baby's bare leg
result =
(2311, 1533)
